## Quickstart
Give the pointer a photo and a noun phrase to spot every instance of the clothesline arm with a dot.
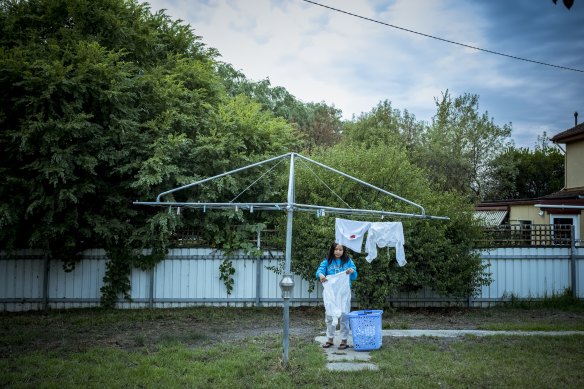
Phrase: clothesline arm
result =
(364, 183)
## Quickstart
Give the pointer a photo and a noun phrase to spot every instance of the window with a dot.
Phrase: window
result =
(525, 232)
(562, 230)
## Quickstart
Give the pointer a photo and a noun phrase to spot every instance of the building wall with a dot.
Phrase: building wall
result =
(527, 212)
(575, 165)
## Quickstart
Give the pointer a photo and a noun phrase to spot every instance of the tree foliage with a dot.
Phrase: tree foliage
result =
(567, 3)
(439, 253)
(105, 103)
(318, 124)
(520, 173)
(460, 144)
(386, 125)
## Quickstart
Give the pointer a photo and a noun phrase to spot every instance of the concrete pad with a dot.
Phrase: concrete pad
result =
(347, 359)
(347, 366)
(460, 333)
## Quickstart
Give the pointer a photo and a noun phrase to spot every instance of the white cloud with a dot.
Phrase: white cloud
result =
(321, 55)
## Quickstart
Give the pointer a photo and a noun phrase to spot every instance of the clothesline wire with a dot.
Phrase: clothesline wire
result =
(259, 178)
(324, 183)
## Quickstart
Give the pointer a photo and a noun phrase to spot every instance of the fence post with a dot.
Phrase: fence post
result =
(258, 267)
(151, 288)
(46, 266)
(573, 285)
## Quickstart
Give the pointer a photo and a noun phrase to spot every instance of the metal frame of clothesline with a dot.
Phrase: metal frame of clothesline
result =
(284, 206)
(287, 283)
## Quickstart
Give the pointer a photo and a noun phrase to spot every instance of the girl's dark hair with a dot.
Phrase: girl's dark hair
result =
(331, 254)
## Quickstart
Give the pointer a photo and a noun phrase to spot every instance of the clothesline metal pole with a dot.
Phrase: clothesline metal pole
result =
(287, 280)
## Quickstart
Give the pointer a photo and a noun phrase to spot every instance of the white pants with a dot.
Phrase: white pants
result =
(330, 328)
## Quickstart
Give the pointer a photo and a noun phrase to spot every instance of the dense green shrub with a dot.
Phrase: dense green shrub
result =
(439, 253)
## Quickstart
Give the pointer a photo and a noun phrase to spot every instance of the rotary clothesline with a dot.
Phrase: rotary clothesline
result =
(287, 282)
(320, 210)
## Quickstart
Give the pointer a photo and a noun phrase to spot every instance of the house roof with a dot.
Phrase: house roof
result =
(503, 204)
(573, 134)
(490, 218)
(574, 194)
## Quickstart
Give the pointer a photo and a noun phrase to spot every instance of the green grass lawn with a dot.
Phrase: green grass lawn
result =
(499, 361)
(198, 348)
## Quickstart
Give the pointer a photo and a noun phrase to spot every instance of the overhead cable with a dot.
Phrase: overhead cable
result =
(444, 40)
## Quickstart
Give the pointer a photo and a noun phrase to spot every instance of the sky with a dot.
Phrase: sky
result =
(321, 55)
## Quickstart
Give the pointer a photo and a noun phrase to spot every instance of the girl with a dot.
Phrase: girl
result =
(336, 261)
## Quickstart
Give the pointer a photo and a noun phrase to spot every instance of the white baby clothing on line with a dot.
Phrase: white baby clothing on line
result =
(336, 295)
(350, 233)
(386, 234)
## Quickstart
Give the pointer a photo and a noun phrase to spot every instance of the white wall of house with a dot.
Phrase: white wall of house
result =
(518, 213)
(574, 164)
(191, 277)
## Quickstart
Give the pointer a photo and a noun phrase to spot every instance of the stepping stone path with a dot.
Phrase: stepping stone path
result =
(347, 359)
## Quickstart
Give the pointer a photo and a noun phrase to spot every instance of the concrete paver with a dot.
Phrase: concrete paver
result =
(345, 360)
(348, 366)
(348, 354)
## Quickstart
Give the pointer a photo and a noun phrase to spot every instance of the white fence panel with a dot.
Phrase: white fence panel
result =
(191, 277)
(79, 287)
(21, 281)
(526, 273)
(580, 272)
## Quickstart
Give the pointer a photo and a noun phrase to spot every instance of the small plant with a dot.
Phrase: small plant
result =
(140, 340)
(226, 272)
(564, 301)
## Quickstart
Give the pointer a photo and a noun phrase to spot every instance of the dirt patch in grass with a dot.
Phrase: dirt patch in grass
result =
(78, 330)
(146, 329)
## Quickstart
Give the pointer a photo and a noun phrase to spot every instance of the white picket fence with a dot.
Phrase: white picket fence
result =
(190, 276)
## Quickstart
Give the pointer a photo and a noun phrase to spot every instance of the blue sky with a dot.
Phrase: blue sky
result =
(321, 55)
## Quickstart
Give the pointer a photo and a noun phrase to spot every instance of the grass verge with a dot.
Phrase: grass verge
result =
(499, 361)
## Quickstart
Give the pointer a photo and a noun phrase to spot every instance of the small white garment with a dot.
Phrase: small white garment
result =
(336, 295)
(386, 234)
(350, 233)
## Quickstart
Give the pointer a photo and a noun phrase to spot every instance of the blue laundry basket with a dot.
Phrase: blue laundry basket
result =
(366, 329)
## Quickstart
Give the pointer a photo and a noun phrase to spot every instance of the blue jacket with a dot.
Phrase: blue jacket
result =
(335, 267)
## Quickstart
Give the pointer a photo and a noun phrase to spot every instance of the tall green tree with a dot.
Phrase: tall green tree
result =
(323, 126)
(460, 144)
(105, 103)
(387, 125)
(318, 124)
(521, 173)
(275, 99)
